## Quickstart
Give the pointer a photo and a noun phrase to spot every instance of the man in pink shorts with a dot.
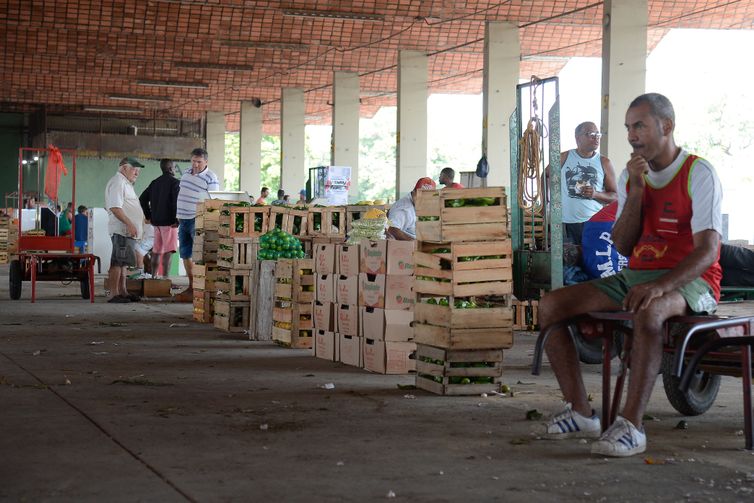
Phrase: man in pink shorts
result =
(159, 202)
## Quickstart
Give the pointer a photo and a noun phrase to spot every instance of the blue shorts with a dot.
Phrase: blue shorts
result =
(186, 231)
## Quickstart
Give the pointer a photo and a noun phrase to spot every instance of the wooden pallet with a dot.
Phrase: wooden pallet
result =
(233, 285)
(237, 253)
(329, 221)
(231, 316)
(463, 338)
(442, 371)
(438, 223)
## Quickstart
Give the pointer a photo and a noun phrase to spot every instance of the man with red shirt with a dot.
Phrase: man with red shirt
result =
(669, 224)
(447, 175)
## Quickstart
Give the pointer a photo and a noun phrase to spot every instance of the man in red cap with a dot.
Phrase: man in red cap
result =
(402, 214)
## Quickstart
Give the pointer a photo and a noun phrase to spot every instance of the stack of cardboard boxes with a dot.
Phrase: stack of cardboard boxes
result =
(463, 313)
(386, 303)
(323, 311)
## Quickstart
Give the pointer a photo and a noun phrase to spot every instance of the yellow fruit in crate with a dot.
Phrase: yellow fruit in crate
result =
(378, 202)
(374, 213)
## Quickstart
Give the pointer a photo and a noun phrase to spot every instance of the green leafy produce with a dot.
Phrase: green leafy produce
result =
(428, 219)
(455, 203)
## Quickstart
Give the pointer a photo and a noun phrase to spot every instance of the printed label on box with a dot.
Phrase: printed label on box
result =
(324, 258)
(323, 316)
(348, 260)
(372, 290)
(400, 257)
(399, 292)
(373, 257)
(348, 320)
(325, 288)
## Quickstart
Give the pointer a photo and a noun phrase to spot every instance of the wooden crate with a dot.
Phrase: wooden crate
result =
(205, 247)
(235, 221)
(356, 211)
(441, 371)
(499, 316)
(231, 316)
(438, 223)
(463, 338)
(295, 280)
(299, 339)
(465, 256)
(210, 206)
(463, 283)
(297, 222)
(525, 314)
(329, 221)
(204, 305)
(292, 324)
(205, 277)
(233, 285)
(278, 217)
(237, 253)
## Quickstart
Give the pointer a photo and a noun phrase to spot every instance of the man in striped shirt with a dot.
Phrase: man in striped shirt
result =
(195, 187)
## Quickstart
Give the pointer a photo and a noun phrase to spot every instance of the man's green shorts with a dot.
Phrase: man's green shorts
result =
(697, 294)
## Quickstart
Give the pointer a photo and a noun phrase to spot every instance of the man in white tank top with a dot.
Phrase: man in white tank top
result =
(587, 181)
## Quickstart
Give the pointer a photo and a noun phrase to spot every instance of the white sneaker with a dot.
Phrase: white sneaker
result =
(571, 424)
(620, 440)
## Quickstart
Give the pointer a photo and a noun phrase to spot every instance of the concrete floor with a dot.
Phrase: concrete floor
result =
(138, 403)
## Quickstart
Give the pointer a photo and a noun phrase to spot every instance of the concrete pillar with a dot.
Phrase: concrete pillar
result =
(345, 126)
(411, 132)
(216, 145)
(292, 141)
(624, 70)
(502, 55)
(250, 171)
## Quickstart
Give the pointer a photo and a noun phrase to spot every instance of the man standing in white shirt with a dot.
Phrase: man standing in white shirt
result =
(195, 187)
(125, 225)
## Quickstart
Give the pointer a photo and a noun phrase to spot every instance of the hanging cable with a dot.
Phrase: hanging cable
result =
(530, 193)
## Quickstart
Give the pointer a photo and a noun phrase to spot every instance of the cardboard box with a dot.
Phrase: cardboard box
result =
(373, 256)
(322, 314)
(399, 292)
(347, 290)
(324, 258)
(348, 319)
(398, 325)
(325, 345)
(325, 288)
(372, 290)
(351, 351)
(385, 357)
(157, 287)
(133, 286)
(348, 260)
(400, 257)
(389, 325)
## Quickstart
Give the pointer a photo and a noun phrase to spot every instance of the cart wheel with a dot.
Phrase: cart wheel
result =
(700, 396)
(85, 286)
(590, 350)
(15, 278)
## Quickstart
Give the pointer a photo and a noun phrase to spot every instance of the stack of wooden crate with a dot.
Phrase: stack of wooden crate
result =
(8, 239)
(463, 267)
(239, 232)
(292, 323)
(204, 255)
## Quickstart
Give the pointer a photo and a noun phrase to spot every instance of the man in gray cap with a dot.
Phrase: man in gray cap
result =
(125, 225)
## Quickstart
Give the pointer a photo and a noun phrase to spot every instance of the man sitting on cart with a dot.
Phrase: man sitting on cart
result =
(669, 225)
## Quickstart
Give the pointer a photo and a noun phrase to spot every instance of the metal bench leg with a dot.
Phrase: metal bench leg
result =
(746, 380)
(607, 349)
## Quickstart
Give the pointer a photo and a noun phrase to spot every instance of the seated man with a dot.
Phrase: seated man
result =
(669, 224)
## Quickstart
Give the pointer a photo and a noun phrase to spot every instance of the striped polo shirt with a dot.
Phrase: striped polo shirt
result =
(195, 189)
